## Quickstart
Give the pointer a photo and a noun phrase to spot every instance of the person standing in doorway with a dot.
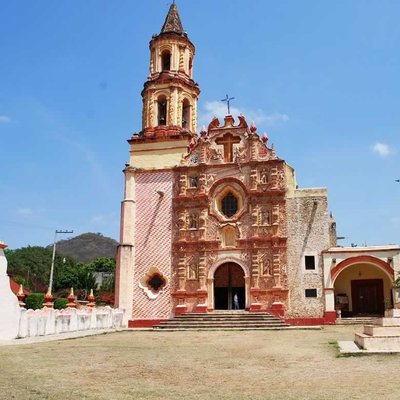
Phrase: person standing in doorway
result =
(235, 302)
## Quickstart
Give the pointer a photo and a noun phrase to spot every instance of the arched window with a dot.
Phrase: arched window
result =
(166, 60)
(162, 110)
(185, 113)
(229, 205)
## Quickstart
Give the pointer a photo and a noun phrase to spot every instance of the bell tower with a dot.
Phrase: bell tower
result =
(169, 119)
(169, 98)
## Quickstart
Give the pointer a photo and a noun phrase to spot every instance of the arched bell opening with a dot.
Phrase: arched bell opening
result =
(161, 111)
(186, 114)
(166, 60)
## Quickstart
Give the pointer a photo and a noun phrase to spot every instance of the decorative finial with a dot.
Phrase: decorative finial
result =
(91, 299)
(264, 138)
(203, 131)
(71, 299)
(253, 127)
(48, 299)
(20, 296)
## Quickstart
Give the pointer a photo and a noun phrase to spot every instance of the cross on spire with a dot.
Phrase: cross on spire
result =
(228, 140)
(228, 102)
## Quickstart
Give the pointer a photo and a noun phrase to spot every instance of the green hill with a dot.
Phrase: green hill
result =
(88, 246)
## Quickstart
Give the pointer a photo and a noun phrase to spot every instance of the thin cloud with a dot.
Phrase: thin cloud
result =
(382, 149)
(98, 219)
(4, 119)
(218, 109)
(24, 211)
(396, 221)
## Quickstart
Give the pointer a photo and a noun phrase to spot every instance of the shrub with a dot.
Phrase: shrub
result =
(34, 301)
(60, 303)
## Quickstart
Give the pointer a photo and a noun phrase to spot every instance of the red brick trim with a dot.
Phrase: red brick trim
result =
(330, 317)
(144, 323)
(362, 259)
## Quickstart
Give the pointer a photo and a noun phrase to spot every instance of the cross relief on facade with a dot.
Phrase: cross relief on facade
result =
(228, 140)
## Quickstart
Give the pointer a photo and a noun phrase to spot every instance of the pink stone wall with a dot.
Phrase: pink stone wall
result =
(153, 241)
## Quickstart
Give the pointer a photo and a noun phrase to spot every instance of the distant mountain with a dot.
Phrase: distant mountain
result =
(88, 246)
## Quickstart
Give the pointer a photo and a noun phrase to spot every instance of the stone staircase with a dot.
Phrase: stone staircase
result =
(356, 321)
(223, 320)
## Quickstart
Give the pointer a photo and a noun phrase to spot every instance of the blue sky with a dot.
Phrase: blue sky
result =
(321, 78)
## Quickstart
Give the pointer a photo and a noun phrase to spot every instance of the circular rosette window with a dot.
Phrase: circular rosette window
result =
(153, 282)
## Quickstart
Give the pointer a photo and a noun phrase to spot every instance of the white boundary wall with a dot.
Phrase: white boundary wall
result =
(47, 321)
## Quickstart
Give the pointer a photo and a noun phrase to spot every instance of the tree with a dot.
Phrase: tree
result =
(103, 264)
(78, 276)
(32, 265)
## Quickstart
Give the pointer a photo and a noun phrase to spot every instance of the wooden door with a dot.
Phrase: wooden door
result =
(367, 297)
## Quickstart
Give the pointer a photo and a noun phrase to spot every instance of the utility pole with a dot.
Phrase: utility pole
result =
(54, 257)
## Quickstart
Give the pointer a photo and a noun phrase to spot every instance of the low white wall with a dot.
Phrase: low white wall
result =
(48, 321)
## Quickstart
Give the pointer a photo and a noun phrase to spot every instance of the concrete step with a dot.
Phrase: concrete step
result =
(238, 320)
(222, 329)
(220, 325)
(382, 331)
(377, 343)
(227, 319)
(355, 321)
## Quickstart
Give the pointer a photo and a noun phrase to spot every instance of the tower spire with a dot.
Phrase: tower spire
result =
(173, 22)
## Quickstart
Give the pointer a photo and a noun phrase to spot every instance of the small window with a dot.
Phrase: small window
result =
(229, 205)
(311, 292)
(309, 262)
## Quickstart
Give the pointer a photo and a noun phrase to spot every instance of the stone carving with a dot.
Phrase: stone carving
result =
(193, 221)
(214, 155)
(182, 184)
(239, 154)
(192, 271)
(264, 176)
(193, 181)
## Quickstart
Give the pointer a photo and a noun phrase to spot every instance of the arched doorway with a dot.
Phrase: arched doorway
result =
(362, 289)
(228, 280)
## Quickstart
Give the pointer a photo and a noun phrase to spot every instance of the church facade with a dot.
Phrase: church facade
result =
(212, 215)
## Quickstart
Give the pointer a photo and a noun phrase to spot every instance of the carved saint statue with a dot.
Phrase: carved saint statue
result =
(192, 271)
(193, 221)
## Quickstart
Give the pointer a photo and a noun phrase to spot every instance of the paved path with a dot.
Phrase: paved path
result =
(58, 336)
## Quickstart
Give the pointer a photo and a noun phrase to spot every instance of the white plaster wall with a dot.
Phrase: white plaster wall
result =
(9, 307)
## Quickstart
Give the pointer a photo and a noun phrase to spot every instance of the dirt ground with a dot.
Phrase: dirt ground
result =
(198, 365)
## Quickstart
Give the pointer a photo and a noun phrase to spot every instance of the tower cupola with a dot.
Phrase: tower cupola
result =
(170, 93)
